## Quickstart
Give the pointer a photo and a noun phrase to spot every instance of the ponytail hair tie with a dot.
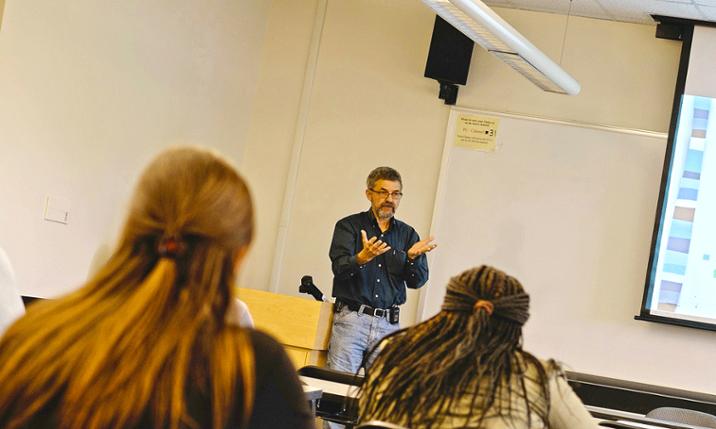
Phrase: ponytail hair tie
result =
(171, 246)
(482, 304)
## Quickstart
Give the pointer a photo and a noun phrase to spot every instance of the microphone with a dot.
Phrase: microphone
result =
(308, 287)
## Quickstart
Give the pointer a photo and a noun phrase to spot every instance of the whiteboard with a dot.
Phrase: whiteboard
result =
(568, 209)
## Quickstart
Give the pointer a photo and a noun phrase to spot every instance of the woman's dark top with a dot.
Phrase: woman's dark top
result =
(280, 402)
(279, 399)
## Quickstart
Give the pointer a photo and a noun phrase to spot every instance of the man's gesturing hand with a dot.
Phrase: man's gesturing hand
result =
(371, 248)
(422, 246)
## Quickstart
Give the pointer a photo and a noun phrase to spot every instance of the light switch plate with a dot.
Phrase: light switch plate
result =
(57, 209)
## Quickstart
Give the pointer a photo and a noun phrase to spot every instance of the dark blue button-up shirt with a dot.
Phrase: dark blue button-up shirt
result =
(381, 282)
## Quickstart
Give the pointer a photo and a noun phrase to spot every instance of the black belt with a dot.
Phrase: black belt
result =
(365, 309)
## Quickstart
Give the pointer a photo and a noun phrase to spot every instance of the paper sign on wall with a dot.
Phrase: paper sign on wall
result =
(476, 132)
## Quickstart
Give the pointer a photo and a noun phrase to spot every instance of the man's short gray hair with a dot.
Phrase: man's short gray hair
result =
(383, 173)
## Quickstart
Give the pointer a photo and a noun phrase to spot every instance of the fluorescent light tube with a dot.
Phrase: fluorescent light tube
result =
(481, 24)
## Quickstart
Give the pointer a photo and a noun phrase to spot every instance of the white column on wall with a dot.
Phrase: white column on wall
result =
(370, 106)
(2, 9)
(296, 150)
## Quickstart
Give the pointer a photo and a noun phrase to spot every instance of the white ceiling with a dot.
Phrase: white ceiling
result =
(619, 10)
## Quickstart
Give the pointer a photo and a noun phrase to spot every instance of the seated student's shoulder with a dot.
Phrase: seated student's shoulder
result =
(542, 373)
(553, 368)
(535, 363)
(279, 399)
(534, 366)
(266, 346)
(566, 409)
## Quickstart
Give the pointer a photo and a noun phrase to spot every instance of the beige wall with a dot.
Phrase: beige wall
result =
(371, 105)
(90, 91)
(627, 75)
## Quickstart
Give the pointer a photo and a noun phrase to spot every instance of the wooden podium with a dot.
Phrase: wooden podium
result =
(302, 325)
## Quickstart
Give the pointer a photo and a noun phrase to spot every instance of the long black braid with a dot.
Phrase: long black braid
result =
(472, 347)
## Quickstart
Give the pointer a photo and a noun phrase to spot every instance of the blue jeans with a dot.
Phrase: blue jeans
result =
(353, 335)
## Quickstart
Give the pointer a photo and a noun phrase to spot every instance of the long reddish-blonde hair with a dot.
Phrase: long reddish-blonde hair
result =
(127, 346)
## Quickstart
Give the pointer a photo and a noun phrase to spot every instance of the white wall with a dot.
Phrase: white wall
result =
(627, 75)
(90, 90)
(371, 105)
(569, 212)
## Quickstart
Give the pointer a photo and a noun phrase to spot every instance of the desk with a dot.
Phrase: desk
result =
(626, 424)
(340, 391)
(331, 387)
(634, 398)
(627, 420)
(337, 402)
(302, 325)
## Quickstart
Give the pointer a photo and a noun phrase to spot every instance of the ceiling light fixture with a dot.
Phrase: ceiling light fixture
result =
(481, 24)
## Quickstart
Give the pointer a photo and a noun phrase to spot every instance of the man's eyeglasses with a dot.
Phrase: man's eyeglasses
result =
(384, 194)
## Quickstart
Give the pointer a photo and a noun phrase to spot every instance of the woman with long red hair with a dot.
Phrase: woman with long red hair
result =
(146, 342)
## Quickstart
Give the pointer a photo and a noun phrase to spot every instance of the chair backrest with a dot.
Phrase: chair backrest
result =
(682, 415)
(376, 424)
(331, 375)
(338, 403)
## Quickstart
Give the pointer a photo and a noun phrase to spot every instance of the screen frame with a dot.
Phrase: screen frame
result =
(686, 33)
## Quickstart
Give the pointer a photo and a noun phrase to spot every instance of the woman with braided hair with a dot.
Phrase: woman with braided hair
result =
(465, 367)
(148, 342)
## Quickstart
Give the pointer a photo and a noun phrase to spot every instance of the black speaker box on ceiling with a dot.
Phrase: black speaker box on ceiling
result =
(449, 56)
(670, 31)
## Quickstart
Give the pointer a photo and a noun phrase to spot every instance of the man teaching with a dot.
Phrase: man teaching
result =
(374, 258)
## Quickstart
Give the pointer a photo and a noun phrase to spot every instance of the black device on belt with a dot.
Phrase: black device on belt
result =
(392, 313)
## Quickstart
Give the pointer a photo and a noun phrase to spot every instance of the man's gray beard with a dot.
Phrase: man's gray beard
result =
(385, 213)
